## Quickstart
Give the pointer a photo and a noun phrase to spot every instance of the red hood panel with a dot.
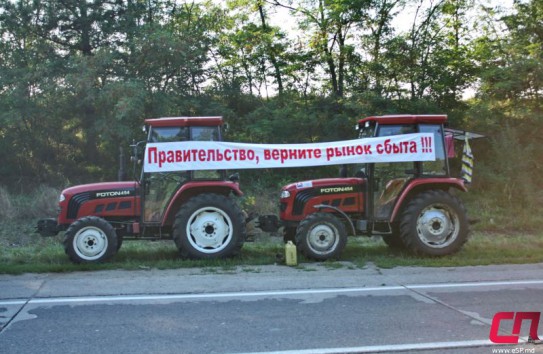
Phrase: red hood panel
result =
(104, 186)
(324, 182)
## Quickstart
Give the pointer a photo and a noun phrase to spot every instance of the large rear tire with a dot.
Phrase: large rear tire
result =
(434, 223)
(90, 240)
(209, 226)
(321, 236)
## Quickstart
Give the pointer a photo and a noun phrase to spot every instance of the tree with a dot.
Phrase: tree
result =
(28, 73)
(508, 103)
(377, 41)
(329, 24)
(254, 48)
(512, 64)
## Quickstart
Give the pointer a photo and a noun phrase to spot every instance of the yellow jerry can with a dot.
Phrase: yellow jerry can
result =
(290, 254)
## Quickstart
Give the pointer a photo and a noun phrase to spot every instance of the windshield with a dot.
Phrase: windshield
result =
(168, 134)
(172, 134)
(367, 132)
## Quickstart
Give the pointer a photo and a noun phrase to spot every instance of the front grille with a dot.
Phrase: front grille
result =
(301, 200)
(75, 203)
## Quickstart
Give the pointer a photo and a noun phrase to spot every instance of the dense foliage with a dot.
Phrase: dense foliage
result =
(77, 78)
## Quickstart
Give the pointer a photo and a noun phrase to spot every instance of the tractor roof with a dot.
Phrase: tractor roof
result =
(406, 119)
(184, 121)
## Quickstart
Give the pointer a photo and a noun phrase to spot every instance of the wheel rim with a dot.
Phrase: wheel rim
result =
(209, 230)
(438, 226)
(323, 238)
(90, 243)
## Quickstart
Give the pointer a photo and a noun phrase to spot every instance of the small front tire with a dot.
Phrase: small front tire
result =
(321, 236)
(90, 240)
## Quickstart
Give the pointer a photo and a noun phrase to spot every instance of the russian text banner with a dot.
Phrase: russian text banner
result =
(220, 155)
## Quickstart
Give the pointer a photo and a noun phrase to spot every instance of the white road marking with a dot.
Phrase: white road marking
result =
(475, 284)
(386, 348)
(277, 293)
(13, 302)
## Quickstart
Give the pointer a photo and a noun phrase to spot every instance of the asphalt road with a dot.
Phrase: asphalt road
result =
(311, 309)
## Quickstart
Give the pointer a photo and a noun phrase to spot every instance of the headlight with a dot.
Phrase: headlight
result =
(285, 194)
(62, 198)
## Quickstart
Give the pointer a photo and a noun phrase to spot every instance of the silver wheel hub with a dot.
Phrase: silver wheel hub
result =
(437, 226)
(209, 230)
(322, 238)
(90, 243)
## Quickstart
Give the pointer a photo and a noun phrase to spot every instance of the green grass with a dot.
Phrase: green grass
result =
(504, 235)
(482, 249)
(496, 215)
(22, 251)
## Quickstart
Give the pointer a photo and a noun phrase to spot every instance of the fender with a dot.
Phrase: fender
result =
(426, 183)
(193, 188)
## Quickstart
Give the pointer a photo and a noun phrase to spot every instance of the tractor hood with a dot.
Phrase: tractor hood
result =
(303, 198)
(99, 199)
(324, 183)
(103, 190)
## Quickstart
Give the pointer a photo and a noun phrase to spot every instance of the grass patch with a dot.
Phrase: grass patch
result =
(504, 235)
(22, 251)
(482, 249)
(331, 265)
(494, 215)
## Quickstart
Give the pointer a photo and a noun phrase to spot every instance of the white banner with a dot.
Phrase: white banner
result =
(221, 155)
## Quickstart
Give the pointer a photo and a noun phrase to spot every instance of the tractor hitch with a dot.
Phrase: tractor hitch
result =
(268, 223)
(47, 227)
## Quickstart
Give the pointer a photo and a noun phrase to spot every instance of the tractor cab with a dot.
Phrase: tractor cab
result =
(388, 180)
(375, 198)
(159, 187)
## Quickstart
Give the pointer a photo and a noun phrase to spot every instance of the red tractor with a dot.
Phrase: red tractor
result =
(194, 208)
(408, 203)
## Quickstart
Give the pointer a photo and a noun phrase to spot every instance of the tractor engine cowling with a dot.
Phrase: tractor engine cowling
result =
(299, 199)
(106, 200)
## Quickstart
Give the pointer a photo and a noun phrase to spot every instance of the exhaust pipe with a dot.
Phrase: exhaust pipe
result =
(121, 175)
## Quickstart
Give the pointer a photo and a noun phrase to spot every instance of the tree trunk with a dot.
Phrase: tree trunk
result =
(273, 59)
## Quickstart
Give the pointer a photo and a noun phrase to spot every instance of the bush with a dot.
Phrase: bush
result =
(42, 202)
(7, 210)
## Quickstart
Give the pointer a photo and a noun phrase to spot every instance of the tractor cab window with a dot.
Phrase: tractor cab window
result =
(388, 130)
(160, 187)
(168, 134)
(173, 134)
(205, 133)
(389, 178)
(359, 170)
(368, 131)
(438, 167)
